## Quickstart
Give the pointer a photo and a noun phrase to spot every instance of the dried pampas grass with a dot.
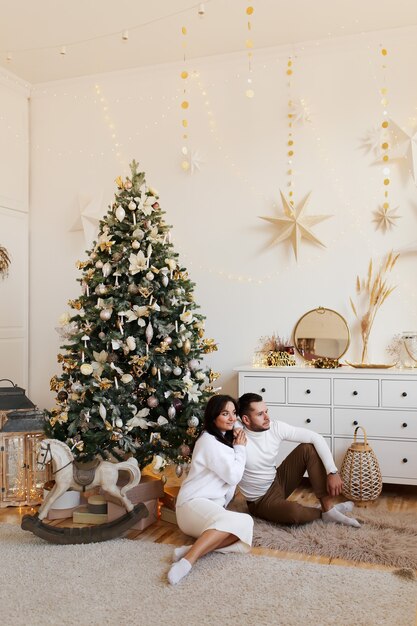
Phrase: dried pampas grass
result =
(4, 262)
(373, 290)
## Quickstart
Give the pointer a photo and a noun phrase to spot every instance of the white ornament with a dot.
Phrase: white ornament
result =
(193, 421)
(171, 412)
(126, 378)
(106, 269)
(99, 265)
(86, 369)
(162, 420)
(103, 411)
(138, 234)
(106, 314)
(165, 281)
(120, 213)
(177, 371)
(135, 244)
(119, 422)
(131, 343)
(131, 206)
(149, 333)
(150, 276)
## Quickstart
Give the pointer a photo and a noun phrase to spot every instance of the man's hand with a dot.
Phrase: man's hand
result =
(239, 437)
(334, 485)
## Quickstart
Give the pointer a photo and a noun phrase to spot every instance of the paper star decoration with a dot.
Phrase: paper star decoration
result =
(299, 111)
(195, 162)
(372, 141)
(91, 212)
(295, 225)
(385, 218)
(404, 146)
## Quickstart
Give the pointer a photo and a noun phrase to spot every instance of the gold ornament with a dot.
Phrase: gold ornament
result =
(186, 346)
(119, 182)
(294, 225)
(385, 217)
(154, 370)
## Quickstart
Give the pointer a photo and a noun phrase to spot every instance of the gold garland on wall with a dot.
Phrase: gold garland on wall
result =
(185, 163)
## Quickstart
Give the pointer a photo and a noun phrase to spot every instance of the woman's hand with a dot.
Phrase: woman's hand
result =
(239, 437)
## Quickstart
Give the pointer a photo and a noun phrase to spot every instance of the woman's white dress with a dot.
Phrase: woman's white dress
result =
(215, 471)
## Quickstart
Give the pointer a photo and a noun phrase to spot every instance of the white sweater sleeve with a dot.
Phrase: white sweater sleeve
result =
(303, 435)
(228, 467)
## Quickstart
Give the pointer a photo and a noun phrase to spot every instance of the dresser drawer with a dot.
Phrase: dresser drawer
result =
(400, 424)
(354, 392)
(309, 390)
(312, 418)
(271, 388)
(288, 446)
(399, 393)
(397, 459)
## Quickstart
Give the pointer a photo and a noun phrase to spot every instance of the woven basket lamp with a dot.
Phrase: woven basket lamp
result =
(361, 476)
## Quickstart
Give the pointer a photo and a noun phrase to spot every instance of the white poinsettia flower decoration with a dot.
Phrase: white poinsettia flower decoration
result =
(186, 317)
(193, 393)
(172, 264)
(139, 420)
(104, 239)
(100, 360)
(137, 313)
(137, 262)
(162, 420)
(154, 235)
(64, 319)
(146, 209)
(153, 191)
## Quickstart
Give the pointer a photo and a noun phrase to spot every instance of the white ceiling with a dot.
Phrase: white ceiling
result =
(34, 31)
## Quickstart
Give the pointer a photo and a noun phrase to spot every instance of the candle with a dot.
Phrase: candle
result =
(150, 301)
(183, 309)
(116, 383)
(88, 290)
(134, 219)
(159, 375)
(147, 349)
(176, 326)
(165, 238)
(82, 356)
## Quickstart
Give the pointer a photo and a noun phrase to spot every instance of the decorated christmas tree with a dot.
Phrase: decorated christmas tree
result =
(133, 381)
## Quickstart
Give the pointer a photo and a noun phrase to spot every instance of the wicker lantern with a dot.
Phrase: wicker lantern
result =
(361, 476)
(21, 427)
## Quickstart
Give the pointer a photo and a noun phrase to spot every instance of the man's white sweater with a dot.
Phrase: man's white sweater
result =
(262, 452)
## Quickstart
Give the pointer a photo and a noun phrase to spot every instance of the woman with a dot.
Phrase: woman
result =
(216, 468)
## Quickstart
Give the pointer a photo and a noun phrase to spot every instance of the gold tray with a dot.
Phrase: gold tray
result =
(371, 366)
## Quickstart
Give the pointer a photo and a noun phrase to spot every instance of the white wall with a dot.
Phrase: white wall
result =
(14, 180)
(245, 288)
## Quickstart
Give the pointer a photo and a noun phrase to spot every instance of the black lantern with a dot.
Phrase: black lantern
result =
(21, 428)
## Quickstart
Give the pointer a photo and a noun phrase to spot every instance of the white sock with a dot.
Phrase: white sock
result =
(179, 553)
(334, 515)
(178, 571)
(345, 507)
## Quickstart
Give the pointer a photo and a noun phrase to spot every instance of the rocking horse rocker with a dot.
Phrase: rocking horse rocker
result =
(69, 474)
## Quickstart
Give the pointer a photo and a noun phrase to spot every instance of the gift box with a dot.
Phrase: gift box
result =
(149, 488)
(169, 499)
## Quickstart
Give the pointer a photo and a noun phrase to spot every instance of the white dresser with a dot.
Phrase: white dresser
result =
(334, 402)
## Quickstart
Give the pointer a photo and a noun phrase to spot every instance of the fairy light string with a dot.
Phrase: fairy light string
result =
(290, 136)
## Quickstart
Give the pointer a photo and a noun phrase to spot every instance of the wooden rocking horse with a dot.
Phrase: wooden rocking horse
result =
(70, 475)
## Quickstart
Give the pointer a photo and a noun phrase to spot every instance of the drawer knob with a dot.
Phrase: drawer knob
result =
(355, 423)
(308, 390)
(405, 425)
(308, 420)
(405, 460)
(263, 389)
(355, 393)
(404, 394)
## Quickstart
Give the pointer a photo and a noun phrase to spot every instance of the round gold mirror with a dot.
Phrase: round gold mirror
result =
(321, 333)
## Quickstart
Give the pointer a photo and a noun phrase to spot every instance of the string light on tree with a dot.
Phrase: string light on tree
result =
(249, 45)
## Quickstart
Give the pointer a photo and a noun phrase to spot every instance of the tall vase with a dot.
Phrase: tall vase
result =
(365, 340)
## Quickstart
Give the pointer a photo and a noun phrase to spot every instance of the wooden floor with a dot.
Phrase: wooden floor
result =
(394, 498)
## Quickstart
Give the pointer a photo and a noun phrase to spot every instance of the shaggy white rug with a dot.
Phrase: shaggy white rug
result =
(123, 583)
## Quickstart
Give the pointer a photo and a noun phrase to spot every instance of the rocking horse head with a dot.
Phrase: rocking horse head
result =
(52, 450)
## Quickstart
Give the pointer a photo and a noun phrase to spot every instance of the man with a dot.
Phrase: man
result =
(266, 487)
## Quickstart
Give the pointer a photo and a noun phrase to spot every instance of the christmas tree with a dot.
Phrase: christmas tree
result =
(133, 382)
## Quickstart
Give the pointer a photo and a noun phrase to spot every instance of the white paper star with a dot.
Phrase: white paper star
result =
(294, 225)
(385, 218)
(299, 111)
(403, 146)
(91, 212)
(372, 141)
(196, 161)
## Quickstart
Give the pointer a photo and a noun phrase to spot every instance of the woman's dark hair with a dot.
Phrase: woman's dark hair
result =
(214, 407)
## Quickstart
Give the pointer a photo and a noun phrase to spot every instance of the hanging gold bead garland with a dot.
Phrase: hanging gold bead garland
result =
(249, 45)
(385, 216)
(290, 138)
(185, 163)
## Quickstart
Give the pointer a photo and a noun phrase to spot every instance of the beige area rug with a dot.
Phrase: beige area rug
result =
(123, 583)
(384, 538)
